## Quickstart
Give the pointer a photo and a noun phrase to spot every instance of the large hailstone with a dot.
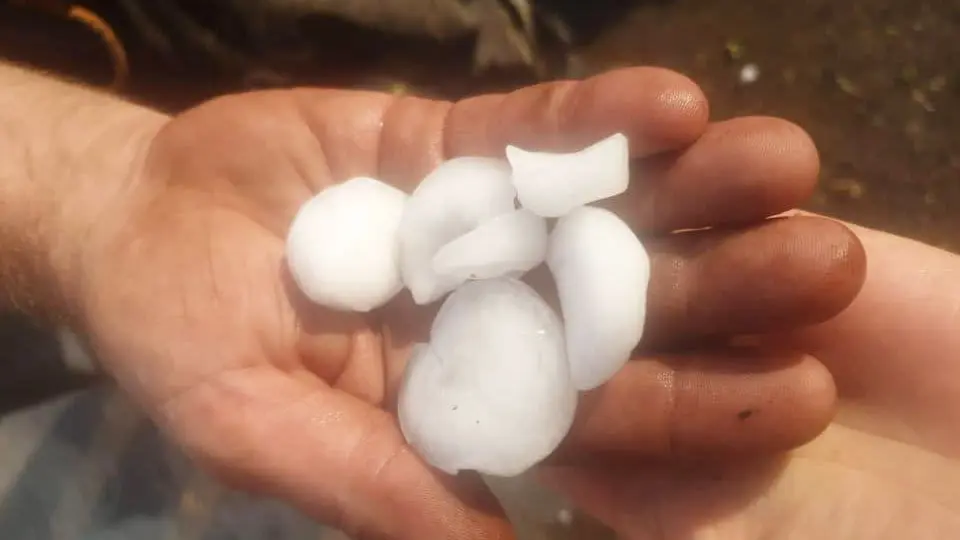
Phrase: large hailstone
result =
(491, 392)
(601, 270)
(342, 245)
(449, 204)
(552, 184)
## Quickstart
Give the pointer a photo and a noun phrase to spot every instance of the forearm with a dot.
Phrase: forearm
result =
(66, 153)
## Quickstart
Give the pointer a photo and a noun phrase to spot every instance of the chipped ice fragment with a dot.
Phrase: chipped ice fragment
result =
(552, 184)
(452, 200)
(507, 245)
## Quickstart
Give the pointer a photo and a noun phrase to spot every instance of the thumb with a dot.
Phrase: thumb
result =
(330, 454)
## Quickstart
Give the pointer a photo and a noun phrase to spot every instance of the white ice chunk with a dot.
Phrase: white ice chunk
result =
(601, 271)
(507, 245)
(451, 201)
(342, 245)
(492, 390)
(552, 184)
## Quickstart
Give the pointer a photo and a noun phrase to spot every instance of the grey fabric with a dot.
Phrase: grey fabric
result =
(90, 467)
(33, 364)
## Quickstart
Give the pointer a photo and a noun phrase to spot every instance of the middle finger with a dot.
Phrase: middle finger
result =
(738, 171)
(715, 283)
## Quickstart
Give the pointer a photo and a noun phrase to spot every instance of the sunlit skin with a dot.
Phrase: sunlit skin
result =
(887, 468)
(180, 285)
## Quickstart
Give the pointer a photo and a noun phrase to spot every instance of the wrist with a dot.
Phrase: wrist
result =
(100, 200)
(73, 156)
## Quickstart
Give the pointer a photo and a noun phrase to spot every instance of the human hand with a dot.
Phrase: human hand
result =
(888, 467)
(187, 303)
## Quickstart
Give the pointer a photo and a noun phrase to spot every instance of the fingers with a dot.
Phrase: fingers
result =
(777, 275)
(717, 283)
(712, 404)
(780, 274)
(708, 285)
(641, 501)
(333, 456)
(738, 171)
(896, 348)
(658, 109)
(735, 171)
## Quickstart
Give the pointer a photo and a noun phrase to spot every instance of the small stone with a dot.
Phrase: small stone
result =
(919, 97)
(851, 187)
(749, 74)
(847, 86)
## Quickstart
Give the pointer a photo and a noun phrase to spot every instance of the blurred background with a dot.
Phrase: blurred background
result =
(875, 82)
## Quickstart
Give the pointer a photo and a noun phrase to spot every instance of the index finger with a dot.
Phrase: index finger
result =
(657, 109)
(401, 139)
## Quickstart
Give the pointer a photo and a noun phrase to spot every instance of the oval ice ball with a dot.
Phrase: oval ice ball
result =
(451, 201)
(602, 271)
(506, 245)
(492, 391)
(552, 184)
(342, 245)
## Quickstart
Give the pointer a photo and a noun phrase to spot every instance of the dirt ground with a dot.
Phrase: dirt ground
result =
(876, 83)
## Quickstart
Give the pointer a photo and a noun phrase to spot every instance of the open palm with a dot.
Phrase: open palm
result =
(887, 468)
(187, 302)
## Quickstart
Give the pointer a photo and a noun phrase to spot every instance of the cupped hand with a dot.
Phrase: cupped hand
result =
(187, 302)
(887, 468)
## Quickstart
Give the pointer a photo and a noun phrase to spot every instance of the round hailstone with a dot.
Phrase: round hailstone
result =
(507, 245)
(492, 391)
(452, 200)
(553, 184)
(601, 271)
(342, 245)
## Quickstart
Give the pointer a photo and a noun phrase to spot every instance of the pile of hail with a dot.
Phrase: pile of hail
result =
(495, 387)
